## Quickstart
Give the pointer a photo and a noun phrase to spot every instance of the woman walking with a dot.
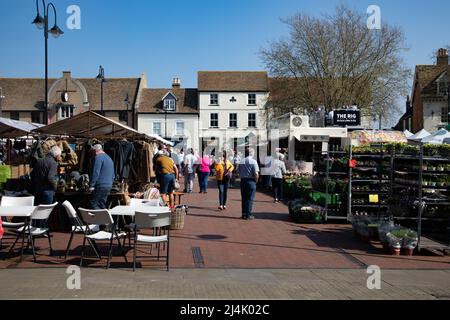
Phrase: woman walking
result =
(279, 169)
(203, 175)
(224, 169)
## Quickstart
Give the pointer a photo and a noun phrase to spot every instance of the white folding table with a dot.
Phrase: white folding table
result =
(131, 210)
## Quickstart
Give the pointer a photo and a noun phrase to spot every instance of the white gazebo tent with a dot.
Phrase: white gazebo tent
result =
(407, 133)
(437, 137)
(419, 135)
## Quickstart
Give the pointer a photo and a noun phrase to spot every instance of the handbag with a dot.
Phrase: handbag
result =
(176, 185)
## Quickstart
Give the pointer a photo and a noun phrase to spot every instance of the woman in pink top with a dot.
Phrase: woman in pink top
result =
(204, 171)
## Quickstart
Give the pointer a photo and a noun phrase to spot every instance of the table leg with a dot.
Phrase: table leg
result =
(26, 227)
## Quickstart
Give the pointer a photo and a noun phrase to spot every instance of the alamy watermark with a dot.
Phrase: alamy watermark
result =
(74, 19)
(74, 280)
(374, 281)
(374, 17)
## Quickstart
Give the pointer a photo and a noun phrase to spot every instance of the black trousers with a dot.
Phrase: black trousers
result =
(277, 185)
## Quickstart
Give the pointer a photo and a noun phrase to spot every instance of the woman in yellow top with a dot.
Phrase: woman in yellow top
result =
(224, 169)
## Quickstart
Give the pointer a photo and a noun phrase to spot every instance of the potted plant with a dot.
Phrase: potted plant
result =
(444, 150)
(394, 243)
(430, 149)
(410, 241)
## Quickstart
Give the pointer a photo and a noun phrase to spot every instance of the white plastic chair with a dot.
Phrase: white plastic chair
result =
(102, 218)
(15, 202)
(42, 212)
(78, 227)
(144, 220)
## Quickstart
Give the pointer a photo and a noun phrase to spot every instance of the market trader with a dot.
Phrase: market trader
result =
(249, 173)
(101, 179)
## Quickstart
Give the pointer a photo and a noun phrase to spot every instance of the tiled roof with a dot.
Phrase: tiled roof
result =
(28, 94)
(151, 100)
(427, 74)
(23, 94)
(233, 81)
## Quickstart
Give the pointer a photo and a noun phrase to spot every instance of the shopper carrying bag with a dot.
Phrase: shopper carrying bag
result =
(224, 169)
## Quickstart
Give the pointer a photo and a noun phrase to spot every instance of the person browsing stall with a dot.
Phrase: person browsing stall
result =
(101, 178)
(168, 175)
(44, 176)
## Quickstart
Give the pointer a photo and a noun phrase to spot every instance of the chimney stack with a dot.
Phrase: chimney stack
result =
(408, 103)
(176, 83)
(442, 57)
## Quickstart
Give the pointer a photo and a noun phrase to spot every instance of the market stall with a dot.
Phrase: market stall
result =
(16, 138)
(131, 151)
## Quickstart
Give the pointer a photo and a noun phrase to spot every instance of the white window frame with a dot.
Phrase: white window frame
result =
(235, 120)
(170, 105)
(211, 99)
(248, 99)
(176, 128)
(248, 120)
(211, 120)
(63, 110)
(160, 127)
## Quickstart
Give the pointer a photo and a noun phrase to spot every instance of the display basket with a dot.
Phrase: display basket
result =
(177, 218)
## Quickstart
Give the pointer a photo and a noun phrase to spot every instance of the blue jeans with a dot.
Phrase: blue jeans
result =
(223, 192)
(248, 191)
(203, 181)
(43, 197)
(98, 198)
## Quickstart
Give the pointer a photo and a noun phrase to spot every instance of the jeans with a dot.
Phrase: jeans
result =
(266, 181)
(248, 191)
(167, 183)
(98, 198)
(277, 184)
(223, 192)
(203, 181)
(189, 181)
(43, 197)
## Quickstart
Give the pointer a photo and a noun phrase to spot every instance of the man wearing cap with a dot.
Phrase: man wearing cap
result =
(101, 178)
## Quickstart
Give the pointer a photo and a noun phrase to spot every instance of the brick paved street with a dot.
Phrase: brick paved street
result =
(219, 255)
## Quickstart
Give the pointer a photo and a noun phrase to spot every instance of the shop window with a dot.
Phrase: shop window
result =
(36, 117)
(123, 116)
(14, 115)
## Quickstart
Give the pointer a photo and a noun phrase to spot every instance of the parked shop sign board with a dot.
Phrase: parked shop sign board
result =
(346, 118)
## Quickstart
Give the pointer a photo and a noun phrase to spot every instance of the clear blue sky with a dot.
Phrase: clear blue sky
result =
(179, 37)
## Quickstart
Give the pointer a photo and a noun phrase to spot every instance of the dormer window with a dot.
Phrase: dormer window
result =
(443, 88)
(169, 102)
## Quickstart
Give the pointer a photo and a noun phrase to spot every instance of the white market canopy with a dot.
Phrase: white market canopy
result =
(419, 135)
(93, 125)
(14, 128)
(408, 133)
(437, 137)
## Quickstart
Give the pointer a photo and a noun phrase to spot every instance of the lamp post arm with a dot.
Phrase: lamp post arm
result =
(54, 11)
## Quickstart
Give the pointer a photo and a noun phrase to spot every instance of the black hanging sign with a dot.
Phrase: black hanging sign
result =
(346, 118)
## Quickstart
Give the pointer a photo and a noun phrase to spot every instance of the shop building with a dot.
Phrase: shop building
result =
(171, 113)
(431, 92)
(232, 109)
(68, 96)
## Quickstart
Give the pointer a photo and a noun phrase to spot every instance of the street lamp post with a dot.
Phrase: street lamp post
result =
(42, 23)
(102, 80)
(1, 98)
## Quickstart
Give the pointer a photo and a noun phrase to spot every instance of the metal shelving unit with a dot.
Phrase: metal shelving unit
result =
(417, 191)
(329, 174)
(383, 175)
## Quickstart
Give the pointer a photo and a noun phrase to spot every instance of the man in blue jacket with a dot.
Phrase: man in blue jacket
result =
(101, 179)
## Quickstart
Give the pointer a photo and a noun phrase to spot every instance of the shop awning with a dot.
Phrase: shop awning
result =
(93, 125)
(14, 128)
